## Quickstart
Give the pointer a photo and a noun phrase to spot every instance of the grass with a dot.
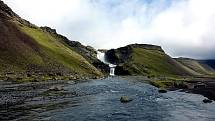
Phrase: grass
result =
(170, 83)
(58, 52)
(196, 66)
(25, 49)
(152, 63)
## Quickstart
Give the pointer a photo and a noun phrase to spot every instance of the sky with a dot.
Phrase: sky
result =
(184, 28)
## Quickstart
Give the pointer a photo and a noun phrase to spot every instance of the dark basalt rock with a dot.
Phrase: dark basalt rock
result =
(119, 70)
(162, 91)
(117, 56)
(125, 99)
(48, 29)
(207, 101)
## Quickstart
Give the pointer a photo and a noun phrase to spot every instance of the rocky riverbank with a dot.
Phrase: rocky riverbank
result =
(202, 86)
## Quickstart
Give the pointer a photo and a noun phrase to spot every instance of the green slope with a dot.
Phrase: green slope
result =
(26, 48)
(199, 67)
(140, 59)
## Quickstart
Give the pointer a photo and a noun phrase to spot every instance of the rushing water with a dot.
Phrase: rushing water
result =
(98, 100)
(101, 57)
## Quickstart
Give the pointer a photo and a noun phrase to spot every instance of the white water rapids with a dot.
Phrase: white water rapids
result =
(101, 57)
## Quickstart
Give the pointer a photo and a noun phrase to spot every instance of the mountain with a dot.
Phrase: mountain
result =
(27, 50)
(200, 67)
(151, 60)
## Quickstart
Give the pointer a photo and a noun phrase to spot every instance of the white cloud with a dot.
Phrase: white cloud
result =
(181, 27)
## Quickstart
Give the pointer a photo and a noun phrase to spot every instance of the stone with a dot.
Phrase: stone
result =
(125, 99)
(207, 101)
(56, 88)
(162, 91)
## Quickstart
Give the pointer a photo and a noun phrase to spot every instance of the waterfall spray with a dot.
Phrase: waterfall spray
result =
(101, 57)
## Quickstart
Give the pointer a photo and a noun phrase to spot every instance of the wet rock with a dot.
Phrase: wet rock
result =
(207, 101)
(120, 70)
(56, 88)
(200, 85)
(162, 91)
(125, 99)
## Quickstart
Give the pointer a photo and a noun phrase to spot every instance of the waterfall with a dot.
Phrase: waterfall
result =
(112, 69)
(101, 57)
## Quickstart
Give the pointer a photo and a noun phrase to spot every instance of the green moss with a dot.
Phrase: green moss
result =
(169, 82)
(162, 84)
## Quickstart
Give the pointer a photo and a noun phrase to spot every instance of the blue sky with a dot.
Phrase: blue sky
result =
(181, 27)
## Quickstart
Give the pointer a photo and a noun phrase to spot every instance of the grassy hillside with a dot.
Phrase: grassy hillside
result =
(140, 59)
(28, 49)
(201, 67)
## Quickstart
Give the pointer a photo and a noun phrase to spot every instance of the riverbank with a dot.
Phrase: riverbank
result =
(38, 77)
(203, 86)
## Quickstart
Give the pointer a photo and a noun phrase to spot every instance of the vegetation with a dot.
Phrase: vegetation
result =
(140, 60)
(170, 83)
(30, 53)
(199, 67)
(152, 61)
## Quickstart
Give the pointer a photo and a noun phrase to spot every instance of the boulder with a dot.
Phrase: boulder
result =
(125, 99)
(56, 88)
(207, 101)
(162, 91)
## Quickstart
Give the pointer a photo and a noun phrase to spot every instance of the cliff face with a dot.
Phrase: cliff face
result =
(28, 50)
(143, 59)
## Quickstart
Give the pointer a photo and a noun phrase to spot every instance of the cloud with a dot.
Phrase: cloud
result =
(181, 27)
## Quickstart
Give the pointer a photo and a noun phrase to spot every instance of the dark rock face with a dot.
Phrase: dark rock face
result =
(119, 55)
(101, 66)
(48, 29)
(102, 50)
(119, 70)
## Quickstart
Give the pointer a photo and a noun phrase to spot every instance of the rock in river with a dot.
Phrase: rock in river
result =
(56, 88)
(162, 91)
(207, 101)
(125, 99)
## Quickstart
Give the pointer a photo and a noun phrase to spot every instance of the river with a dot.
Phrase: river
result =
(98, 100)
